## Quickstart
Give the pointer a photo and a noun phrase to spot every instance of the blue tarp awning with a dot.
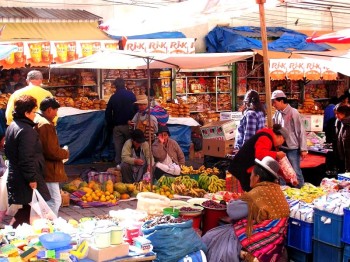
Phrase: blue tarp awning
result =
(238, 39)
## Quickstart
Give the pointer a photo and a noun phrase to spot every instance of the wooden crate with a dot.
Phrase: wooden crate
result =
(65, 199)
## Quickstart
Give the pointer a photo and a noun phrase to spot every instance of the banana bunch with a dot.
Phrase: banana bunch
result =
(204, 181)
(182, 190)
(165, 180)
(216, 184)
(186, 181)
(211, 171)
(187, 170)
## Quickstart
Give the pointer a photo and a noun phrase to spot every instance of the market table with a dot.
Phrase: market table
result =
(314, 168)
(147, 257)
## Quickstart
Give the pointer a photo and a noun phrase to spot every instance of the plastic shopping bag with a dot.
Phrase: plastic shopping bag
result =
(40, 208)
(3, 192)
(287, 171)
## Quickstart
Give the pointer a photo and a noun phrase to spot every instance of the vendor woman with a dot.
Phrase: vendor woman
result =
(264, 208)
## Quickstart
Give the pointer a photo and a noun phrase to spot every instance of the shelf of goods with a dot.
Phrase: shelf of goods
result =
(136, 80)
(205, 91)
(75, 90)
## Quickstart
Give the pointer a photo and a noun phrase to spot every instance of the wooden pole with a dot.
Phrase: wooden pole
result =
(266, 61)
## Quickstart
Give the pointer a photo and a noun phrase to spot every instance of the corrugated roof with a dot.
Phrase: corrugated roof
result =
(52, 31)
(11, 14)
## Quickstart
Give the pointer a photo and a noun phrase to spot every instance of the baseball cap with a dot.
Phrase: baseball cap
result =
(277, 94)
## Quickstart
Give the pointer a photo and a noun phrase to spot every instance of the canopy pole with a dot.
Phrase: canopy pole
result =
(266, 61)
(149, 119)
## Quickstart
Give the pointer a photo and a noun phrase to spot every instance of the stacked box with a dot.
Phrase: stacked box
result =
(300, 235)
(328, 227)
(295, 255)
(346, 256)
(345, 176)
(326, 252)
(346, 226)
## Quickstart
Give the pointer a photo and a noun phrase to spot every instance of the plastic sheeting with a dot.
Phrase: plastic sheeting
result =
(233, 39)
(89, 140)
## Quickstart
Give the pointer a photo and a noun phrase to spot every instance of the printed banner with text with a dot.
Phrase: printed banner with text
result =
(298, 69)
(43, 53)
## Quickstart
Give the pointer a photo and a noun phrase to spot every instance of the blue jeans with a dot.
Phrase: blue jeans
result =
(294, 158)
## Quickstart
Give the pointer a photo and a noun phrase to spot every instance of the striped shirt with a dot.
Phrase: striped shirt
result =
(251, 122)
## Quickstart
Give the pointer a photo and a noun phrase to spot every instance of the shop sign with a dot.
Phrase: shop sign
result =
(298, 69)
(43, 53)
(166, 46)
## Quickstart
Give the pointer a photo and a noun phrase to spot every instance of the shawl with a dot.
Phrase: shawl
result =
(262, 234)
(265, 201)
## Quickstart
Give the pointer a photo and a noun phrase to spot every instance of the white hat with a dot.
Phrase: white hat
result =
(277, 94)
(141, 99)
(270, 165)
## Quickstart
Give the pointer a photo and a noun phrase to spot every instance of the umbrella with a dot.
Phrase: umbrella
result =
(338, 37)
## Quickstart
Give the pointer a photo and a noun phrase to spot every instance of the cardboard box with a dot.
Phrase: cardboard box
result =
(221, 130)
(108, 253)
(237, 116)
(218, 148)
(312, 123)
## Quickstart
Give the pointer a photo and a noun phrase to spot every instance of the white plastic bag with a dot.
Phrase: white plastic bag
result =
(40, 208)
(3, 192)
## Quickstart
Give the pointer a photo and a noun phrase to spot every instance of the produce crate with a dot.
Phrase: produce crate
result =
(346, 256)
(346, 226)
(328, 227)
(343, 177)
(325, 252)
(300, 235)
(295, 255)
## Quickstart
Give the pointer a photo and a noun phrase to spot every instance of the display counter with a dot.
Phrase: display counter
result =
(85, 131)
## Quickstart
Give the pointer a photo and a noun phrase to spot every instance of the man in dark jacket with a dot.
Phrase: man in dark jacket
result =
(54, 155)
(120, 109)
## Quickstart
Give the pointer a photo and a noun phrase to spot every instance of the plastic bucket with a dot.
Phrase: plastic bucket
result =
(196, 220)
(211, 218)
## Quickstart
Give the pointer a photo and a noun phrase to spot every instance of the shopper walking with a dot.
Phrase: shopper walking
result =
(54, 155)
(120, 109)
(34, 89)
(26, 161)
(253, 118)
(295, 145)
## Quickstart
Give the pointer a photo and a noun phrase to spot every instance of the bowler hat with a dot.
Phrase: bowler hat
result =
(162, 129)
(270, 165)
(141, 99)
(138, 136)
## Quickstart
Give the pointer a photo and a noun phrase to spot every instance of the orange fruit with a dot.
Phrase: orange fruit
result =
(124, 196)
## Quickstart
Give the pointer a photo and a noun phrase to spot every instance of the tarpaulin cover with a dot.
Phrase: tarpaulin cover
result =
(86, 133)
(235, 39)
(82, 133)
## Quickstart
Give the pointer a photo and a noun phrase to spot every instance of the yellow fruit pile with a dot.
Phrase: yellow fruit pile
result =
(97, 192)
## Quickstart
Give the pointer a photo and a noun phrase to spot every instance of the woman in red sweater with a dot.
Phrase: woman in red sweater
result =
(265, 142)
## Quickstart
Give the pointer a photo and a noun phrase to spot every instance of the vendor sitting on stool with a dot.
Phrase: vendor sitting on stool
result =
(136, 157)
(167, 154)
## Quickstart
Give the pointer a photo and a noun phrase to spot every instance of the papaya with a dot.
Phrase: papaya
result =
(124, 196)
(120, 187)
(87, 189)
(116, 194)
(82, 184)
(109, 188)
(130, 187)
